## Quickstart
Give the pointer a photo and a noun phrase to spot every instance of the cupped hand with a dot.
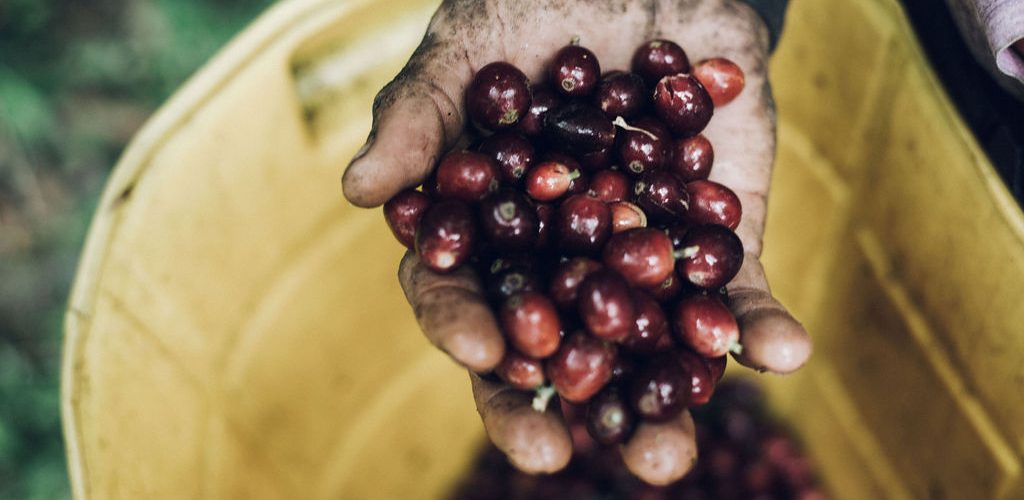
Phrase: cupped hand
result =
(420, 115)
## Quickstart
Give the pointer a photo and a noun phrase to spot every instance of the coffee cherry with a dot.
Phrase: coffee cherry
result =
(650, 326)
(498, 96)
(545, 217)
(667, 290)
(606, 305)
(609, 418)
(582, 225)
(713, 203)
(626, 215)
(642, 146)
(716, 367)
(683, 104)
(660, 389)
(531, 323)
(508, 221)
(722, 78)
(446, 236)
(581, 367)
(466, 176)
(597, 161)
(519, 371)
(402, 213)
(512, 153)
(715, 255)
(504, 283)
(549, 180)
(565, 282)
(621, 94)
(643, 256)
(578, 128)
(610, 186)
(544, 100)
(662, 197)
(706, 325)
(702, 384)
(575, 71)
(659, 58)
(691, 158)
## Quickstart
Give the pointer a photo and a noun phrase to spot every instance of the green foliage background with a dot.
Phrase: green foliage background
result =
(77, 79)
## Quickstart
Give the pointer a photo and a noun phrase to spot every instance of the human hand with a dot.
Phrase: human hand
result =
(420, 115)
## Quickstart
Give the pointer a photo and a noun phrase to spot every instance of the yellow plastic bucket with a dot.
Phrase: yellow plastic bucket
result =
(236, 330)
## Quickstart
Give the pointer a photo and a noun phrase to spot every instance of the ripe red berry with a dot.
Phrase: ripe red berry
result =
(578, 128)
(715, 255)
(466, 176)
(713, 203)
(508, 221)
(667, 290)
(650, 326)
(610, 420)
(544, 100)
(643, 146)
(659, 58)
(722, 78)
(662, 196)
(606, 305)
(575, 71)
(498, 96)
(626, 215)
(706, 325)
(597, 161)
(512, 153)
(683, 104)
(511, 280)
(446, 235)
(610, 186)
(565, 281)
(660, 389)
(402, 213)
(531, 323)
(621, 94)
(519, 371)
(690, 158)
(701, 382)
(582, 225)
(549, 180)
(581, 367)
(643, 256)
(716, 367)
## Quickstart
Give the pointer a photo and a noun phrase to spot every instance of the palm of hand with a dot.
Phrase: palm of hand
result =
(419, 116)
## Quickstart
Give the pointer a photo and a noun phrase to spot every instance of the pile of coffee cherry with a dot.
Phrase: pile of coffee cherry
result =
(584, 206)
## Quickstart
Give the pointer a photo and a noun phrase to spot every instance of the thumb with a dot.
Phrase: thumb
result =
(416, 117)
(772, 339)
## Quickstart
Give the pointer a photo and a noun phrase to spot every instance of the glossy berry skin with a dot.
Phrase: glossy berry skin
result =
(716, 367)
(498, 96)
(565, 282)
(706, 325)
(658, 58)
(512, 153)
(582, 225)
(581, 367)
(667, 290)
(716, 258)
(702, 383)
(545, 218)
(446, 236)
(662, 196)
(609, 418)
(530, 322)
(402, 213)
(642, 150)
(519, 371)
(625, 216)
(606, 306)
(660, 389)
(722, 78)
(544, 100)
(676, 232)
(510, 281)
(713, 203)
(597, 161)
(508, 221)
(610, 186)
(549, 180)
(650, 326)
(643, 256)
(466, 176)
(621, 94)
(690, 158)
(578, 128)
(574, 71)
(683, 104)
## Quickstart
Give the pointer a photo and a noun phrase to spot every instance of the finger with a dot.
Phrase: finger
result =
(535, 441)
(452, 313)
(660, 453)
(772, 339)
(416, 117)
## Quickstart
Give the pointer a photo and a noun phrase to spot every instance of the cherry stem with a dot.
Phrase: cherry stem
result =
(575, 40)
(736, 348)
(575, 174)
(621, 122)
(686, 253)
(542, 396)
